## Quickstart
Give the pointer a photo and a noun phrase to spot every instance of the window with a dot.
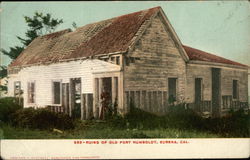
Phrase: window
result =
(131, 59)
(56, 92)
(198, 90)
(118, 60)
(105, 59)
(172, 87)
(127, 61)
(112, 59)
(235, 89)
(31, 92)
(17, 88)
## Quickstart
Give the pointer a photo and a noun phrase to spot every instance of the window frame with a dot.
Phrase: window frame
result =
(15, 90)
(28, 92)
(237, 89)
(202, 88)
(118, 60)
(176, 85)
(53, 92)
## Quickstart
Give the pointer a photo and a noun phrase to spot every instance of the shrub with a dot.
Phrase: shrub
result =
(140, 119)
(179, 116)
(76, 112)
(41, 118)
(8, 105)
(235, 125)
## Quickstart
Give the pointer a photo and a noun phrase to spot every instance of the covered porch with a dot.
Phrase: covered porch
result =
(107, 86)
(108, 93)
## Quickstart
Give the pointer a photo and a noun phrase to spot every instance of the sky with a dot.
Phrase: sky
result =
(218, 27)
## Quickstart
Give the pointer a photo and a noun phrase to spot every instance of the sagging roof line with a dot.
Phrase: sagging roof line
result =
(112, 36)
(98, 38)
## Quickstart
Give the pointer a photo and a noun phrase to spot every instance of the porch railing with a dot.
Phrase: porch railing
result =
(229, 103)
(57, 109)
(202, 106)
(151, 101)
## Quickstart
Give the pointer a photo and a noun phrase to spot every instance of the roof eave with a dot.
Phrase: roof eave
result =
(217, 64)
(67, 60)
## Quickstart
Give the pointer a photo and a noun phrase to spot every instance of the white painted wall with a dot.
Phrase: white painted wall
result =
(43, 76)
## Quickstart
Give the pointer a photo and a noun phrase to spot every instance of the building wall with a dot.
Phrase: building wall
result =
(227, 77)
(156, 59)
(228, 74)
(198, 71)
(43, 76)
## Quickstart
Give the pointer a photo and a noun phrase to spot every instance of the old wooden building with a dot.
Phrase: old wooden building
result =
(135, 58)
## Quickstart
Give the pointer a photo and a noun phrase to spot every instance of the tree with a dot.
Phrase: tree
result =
(3, 73)
(74, 25)
(38, 25)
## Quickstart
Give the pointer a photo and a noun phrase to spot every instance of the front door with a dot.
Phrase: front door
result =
(216, 87)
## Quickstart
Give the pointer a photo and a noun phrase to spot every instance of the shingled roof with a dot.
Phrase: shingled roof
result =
(108, 36)
(112, 35)
(195, 54)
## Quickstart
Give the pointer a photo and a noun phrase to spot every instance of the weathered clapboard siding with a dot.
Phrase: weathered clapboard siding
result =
(44, 75)
(159, 59)
(227, 76)
(198, 71)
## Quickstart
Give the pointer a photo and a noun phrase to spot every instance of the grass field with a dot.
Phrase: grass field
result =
(178, 123)
(100, 131)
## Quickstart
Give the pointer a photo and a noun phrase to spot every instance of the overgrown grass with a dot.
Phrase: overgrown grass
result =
(178, 123)
(9, 132)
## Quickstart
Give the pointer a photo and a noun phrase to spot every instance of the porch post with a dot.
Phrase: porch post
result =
(114, 88)
(83, 106)
(70, 98)
(87, 106)
(121, 105)
(99, 97)
(96, 97)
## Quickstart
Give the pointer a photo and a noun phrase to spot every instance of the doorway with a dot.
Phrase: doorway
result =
(65, 97)
(107, 86)
(106, 96)
(75, 96)
(216, 89)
